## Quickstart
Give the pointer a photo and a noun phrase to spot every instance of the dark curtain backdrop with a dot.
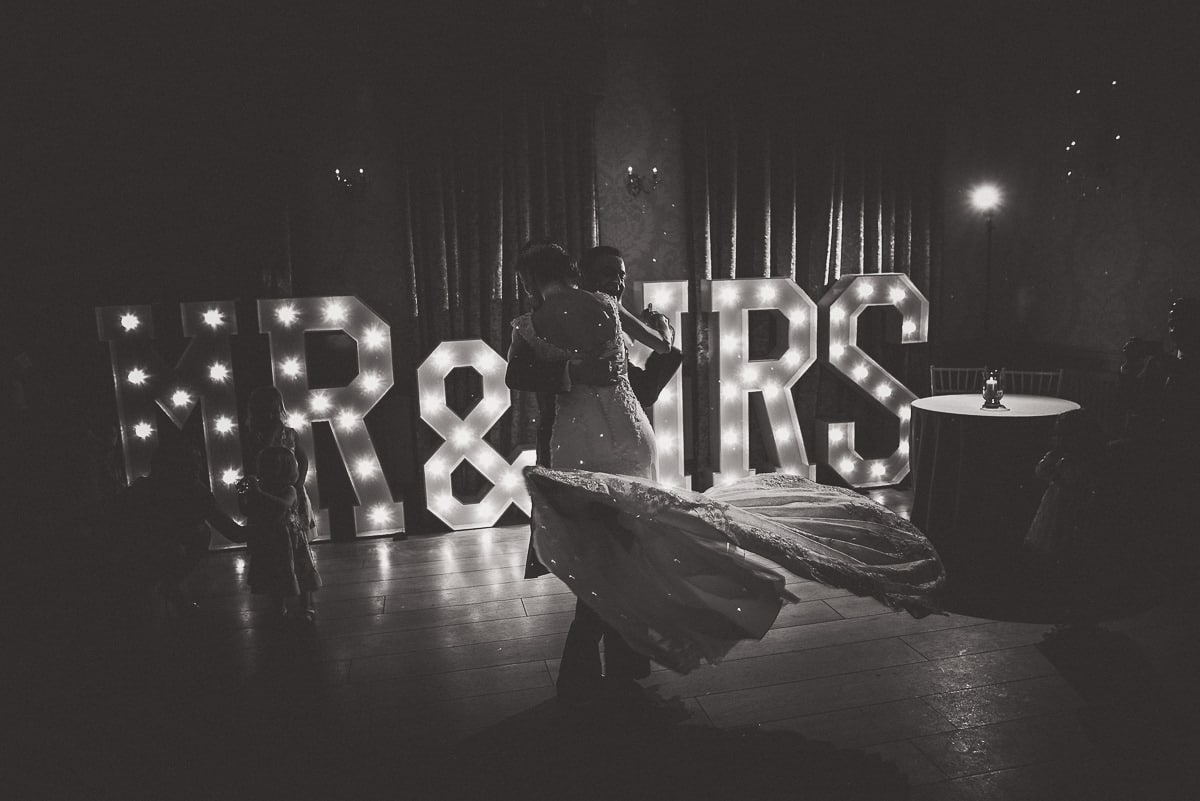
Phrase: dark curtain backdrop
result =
(811, 189)
(477, 178)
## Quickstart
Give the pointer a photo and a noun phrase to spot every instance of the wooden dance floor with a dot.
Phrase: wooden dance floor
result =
(430, 673)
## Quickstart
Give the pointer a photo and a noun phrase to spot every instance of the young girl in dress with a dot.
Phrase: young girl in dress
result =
(265, 417)
(1073, 469)
(281, 563)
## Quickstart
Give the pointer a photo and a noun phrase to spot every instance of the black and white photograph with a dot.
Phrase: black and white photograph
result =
(601, 399)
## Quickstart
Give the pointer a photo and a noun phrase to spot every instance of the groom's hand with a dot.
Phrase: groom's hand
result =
(597, 372)
(659, 322)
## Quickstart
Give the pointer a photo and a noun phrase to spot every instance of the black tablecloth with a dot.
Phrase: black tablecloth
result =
(974, 491)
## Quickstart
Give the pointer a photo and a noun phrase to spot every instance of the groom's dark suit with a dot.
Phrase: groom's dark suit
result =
(581, 655)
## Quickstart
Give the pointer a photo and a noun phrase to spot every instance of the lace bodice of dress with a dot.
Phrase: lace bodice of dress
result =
(613, 346)
(598, 427)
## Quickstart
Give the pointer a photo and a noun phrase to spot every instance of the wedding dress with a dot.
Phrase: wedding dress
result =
(665, 567)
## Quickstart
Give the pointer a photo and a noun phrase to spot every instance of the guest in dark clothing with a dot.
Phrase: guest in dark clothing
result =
(1159, 391)
(603, 270)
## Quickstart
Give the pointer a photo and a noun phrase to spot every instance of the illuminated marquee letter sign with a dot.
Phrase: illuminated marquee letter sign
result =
(202, 379)
(464, 437)
(840, 308)
(738, 375)
(344, 408)
(671, 299)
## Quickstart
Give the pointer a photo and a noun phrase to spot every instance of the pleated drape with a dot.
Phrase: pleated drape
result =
(478, 177)
(809, 190)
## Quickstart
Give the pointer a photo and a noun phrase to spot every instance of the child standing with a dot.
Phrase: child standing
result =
(265, 425)
(1073, 468)
(281, 562)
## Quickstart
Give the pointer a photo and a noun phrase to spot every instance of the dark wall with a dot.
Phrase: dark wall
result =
(1097, 233)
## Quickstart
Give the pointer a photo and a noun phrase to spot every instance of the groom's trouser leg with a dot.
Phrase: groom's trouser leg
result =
(580, 666)
(621, 661)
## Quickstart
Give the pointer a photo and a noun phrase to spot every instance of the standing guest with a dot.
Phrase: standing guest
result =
(281, 561)
(602, 270)
(1158, 389)
(265, 423)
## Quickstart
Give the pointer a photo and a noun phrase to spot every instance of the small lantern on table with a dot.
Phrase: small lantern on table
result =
(992, 391)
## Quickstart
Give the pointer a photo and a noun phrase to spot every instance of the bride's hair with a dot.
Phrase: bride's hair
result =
(542, 261)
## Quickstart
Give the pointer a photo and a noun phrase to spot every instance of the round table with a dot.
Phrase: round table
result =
(974, 492)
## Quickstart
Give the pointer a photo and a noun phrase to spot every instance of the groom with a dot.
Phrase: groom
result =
(580, 679)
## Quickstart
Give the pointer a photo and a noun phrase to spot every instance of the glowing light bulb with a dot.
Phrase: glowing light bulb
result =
(179, 399)
(897, 295)
(230, 477)
(143, 430)
(218, 372)
(290, 367)
(902, 448)
(860, 372)
(782, 434)
(666, 444)
(865, 290)
(846, 465)
(444, 501)
(731, 436)
(347, 419)
(137, 376)
(883, 391)
(461, 436)
(730, 390)
(836, 435)
(908, 327)
(371, 382)
(430, 399)
(374, 338)
(334, 312)
(767, 294)
(223, 424)
(513, 478)
(750, 373)
(878, 469)
(441, 360)
(130, 321)
(365, 467)
(905, 412)
(286, 315)
(797, 315)
(298, 421)
(836, 350)
(771, 390)
(380, 515)
(986, 197)
(435, 466)
(491, 405)
(727, 296)
(731, 342)
(319, 402)
(837, 315)
(667, 396)
(213, 318)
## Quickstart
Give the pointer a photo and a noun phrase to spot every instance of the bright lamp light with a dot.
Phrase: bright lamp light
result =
(986, 197)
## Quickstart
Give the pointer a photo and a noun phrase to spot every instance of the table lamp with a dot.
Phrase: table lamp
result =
(992, 393)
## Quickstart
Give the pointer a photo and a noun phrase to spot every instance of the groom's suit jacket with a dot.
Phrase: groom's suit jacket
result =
(526, 374)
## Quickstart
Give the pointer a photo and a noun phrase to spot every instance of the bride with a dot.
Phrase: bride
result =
(664, 567)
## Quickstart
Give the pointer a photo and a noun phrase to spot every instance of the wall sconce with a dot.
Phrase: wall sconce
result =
(352, 183)
(636, 185)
